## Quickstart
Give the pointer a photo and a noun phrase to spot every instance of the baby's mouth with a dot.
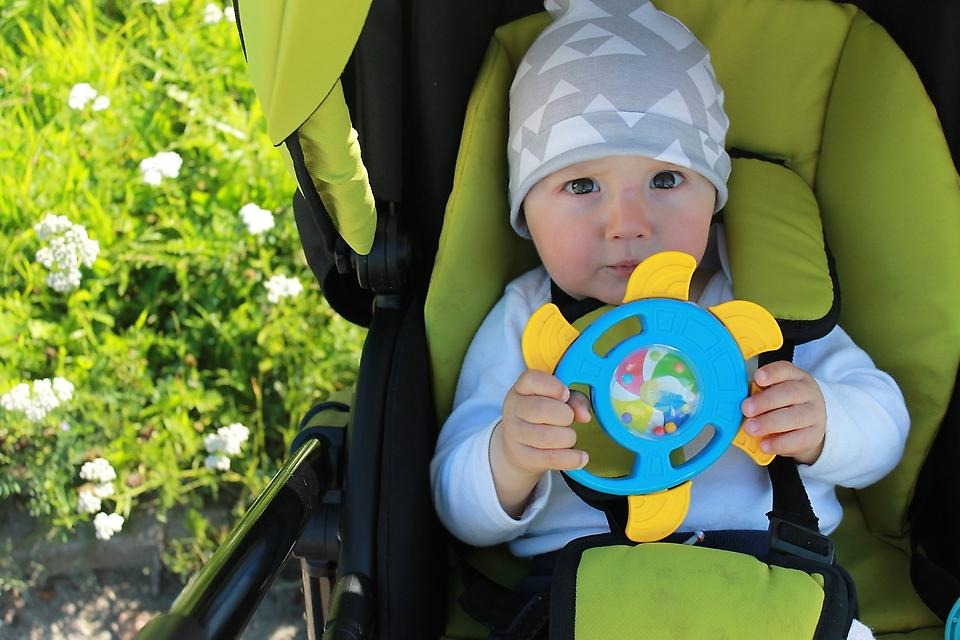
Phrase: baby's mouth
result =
(623, 268)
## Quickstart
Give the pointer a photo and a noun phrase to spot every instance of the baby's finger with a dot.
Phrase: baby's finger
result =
(543, 436)
(580, 405)
(775, 372)
(541, 410)
(540, 383)
(556, 459)
(790, 418)
(791, 442)
(782, 394)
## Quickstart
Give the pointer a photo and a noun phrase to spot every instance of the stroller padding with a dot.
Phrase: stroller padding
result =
(881, 569)
(771, 209)
(656, 598)
(896, 241)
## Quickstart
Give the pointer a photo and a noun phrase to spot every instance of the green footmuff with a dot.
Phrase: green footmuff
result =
(614, 591)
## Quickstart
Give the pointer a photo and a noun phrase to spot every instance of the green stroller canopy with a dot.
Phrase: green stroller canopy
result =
(296, 51)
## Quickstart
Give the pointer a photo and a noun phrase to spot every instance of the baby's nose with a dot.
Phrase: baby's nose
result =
(628, 217)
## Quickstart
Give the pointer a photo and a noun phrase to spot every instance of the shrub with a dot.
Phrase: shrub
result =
(135, 122)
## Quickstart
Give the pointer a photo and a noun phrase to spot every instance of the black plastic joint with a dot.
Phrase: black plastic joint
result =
(332, 436)
(351, 615)
(792, 539)
(319, 544)
(385, 269)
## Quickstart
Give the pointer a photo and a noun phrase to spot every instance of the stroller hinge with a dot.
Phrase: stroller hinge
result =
(385, 269)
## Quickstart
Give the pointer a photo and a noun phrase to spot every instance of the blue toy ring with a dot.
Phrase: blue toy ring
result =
(709, 393)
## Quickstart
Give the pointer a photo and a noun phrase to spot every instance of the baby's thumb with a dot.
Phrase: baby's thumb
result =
(580, 405)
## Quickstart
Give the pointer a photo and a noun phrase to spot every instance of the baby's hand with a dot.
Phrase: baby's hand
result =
(534, 435)
(789, 412)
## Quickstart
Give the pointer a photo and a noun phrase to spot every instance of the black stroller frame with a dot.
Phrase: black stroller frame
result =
(357, 513)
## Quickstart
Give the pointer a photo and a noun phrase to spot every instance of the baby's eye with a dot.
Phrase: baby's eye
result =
(667, 180)
(580, 186)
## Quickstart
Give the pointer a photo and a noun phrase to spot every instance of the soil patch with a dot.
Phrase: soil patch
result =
(114, 604)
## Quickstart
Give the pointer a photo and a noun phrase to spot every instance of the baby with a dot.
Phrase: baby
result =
(616, 152)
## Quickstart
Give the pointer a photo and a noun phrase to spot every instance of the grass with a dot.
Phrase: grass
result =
(169, 335)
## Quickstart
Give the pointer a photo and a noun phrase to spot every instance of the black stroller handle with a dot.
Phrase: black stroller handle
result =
(221, 598)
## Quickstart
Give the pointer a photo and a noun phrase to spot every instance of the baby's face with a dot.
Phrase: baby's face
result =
(594, 221)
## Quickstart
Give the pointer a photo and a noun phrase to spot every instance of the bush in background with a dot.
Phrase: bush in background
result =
(195, 321)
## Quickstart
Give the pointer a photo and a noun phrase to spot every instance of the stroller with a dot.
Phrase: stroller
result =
(414, 243)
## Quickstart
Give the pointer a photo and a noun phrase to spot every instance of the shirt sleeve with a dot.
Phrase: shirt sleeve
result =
(462, 482)
(867, 419)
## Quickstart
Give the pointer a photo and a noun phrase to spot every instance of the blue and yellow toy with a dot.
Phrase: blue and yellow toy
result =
(658, 390)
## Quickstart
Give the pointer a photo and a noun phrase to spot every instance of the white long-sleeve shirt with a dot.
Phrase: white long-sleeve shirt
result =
(867, 424)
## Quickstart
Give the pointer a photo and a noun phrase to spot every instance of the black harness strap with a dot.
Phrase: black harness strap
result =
(790, 500)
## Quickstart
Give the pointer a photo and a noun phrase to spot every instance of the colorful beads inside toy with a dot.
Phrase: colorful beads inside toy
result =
(654, 391)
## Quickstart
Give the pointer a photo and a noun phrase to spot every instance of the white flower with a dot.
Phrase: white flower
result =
(107, 525)
(257, 220)
(213, 443)
(44, 400)
(231, 447)
(236, 431)
(87, 501)
(68, 247)
(228, 13)
(279, 287)
(170, 163)
(103, 490)
(17, 399)
(217, 462)
(52, 225)
(160, 1)
(98, 470)
(62, 388)
(212, 14)
(165, 164)
(36, 401)
(63, 281)
(233, 436)
(226, 442)
(151, 176)
(83, 93)
(80, 95)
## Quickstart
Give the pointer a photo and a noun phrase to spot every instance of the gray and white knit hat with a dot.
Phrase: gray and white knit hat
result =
(614, 77)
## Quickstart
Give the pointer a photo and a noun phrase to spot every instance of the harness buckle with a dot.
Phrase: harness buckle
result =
(793, 539)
